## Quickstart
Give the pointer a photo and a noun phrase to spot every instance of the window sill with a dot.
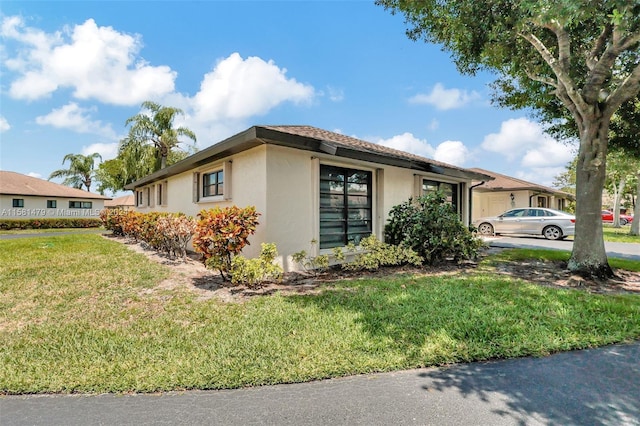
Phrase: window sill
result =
(214, 199)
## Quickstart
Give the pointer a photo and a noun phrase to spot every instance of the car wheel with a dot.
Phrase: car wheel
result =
(485, 229)
(552, 233)
(623, 221)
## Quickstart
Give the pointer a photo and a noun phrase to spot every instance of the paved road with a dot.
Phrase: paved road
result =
(598, 386)
(621, 250)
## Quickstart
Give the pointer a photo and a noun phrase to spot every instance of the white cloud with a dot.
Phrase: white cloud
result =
(96, 62)
(523, 139)
(106, 150)
(35, 175)
(4, 124)
(73, 117)
(541, 175)
(452, 152)
(444, 99)
(409, 143)
(549, 152)
(434, 124)
(335, 94)
(239, 88)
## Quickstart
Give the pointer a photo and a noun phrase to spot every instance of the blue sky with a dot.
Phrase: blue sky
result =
(73, 72)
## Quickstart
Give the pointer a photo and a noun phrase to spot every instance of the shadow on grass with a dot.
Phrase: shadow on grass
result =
(438, 321)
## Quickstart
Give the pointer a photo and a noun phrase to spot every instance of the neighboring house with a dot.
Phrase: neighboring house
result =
(126, 202)
(26, 197)
(505, 192)
(307, 184)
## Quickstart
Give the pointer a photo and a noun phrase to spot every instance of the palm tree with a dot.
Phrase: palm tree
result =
(155, 127)
(80, 172)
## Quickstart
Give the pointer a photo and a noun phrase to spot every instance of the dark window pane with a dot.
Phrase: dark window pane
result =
(328, 186)
(339, 224)
(331, 214)
(359, 201)
(328, 200)
(212, 183)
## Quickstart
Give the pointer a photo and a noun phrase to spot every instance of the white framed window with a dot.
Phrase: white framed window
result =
(212, 184)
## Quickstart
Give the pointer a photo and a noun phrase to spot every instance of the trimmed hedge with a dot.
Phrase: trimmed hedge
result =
(39, 223)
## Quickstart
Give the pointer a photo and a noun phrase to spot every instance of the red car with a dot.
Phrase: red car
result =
(607, 216)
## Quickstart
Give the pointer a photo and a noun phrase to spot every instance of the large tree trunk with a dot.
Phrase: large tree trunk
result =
(589, 257)
(635, 225)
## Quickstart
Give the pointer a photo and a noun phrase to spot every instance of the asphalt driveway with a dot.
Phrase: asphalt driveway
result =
(597, 386)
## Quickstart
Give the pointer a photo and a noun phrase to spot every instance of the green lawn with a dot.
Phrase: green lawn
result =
(558, 255)
(80, 313)
(49, 230)
(619, 235)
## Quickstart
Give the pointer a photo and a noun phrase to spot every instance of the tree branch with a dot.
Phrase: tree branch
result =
(627, 90)
(598, 47)
(563, 78)
(564, 43)
(628, 41)
(602, 69)
(541, 79)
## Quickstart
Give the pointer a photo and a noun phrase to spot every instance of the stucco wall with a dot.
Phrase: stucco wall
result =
(247, 172)
(283, 184)
(36, 207)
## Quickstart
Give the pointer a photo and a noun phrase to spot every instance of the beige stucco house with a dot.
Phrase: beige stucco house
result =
(26, 197)
(307, 184)
(490, 198)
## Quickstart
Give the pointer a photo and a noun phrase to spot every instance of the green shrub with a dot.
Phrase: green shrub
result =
(254, 272)
(432, 229)
(222, 233)
(51, 223)
(372, 254)
(311, 263)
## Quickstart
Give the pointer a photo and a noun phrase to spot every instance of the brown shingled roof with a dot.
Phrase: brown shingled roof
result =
(508, 183)
(358, 144)
(310, 139)
(12, 183)
(125, 200)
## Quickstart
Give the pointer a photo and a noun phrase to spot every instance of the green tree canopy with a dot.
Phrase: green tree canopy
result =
(134, 161)
(81, 170)
(154, 126)
(576, 59)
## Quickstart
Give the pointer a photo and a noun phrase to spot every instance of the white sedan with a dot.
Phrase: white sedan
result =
(552, 224)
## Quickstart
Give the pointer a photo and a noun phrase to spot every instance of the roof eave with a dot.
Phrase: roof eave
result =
(257, 135)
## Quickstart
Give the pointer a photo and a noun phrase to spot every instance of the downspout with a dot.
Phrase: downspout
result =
(471, 200)
(535, 194)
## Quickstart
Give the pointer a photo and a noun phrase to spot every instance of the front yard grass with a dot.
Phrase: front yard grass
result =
(49, 231)
(558, 255)
(80, 313)
(619, 235)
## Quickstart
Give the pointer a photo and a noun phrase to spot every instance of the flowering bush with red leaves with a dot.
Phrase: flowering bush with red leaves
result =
(222, 233)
